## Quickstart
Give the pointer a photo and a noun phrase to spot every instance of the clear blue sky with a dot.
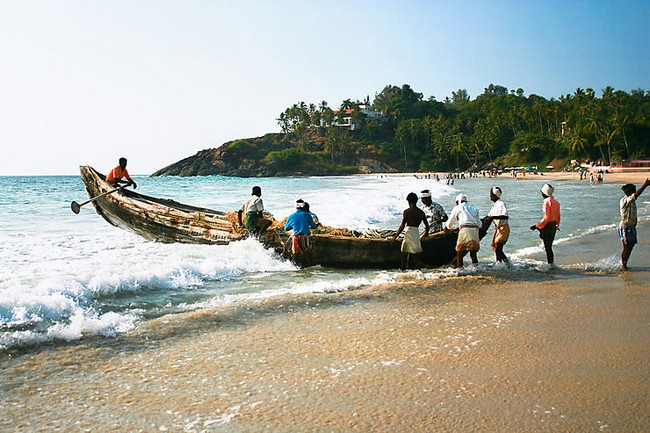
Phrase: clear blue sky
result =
(88, 81)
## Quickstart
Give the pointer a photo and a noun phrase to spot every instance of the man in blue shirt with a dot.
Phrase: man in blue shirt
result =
(300, 222)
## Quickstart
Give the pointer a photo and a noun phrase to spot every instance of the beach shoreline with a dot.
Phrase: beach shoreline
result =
(632, 177)
(567, 351)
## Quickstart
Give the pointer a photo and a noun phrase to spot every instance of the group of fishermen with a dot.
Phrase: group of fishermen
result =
(466, 216)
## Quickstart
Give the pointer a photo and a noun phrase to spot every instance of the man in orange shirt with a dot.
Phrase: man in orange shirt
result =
(119, 172)
(550, 222)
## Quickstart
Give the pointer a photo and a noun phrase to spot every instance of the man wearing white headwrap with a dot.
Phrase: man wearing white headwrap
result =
(411, 219)
(468, 236)
(550, 222)
(499, 215)
(435, 213)
(300, 222)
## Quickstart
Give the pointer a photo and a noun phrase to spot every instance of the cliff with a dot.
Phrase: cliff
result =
(272, 155)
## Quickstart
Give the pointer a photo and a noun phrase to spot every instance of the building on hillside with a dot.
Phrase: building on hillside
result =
(347, 121)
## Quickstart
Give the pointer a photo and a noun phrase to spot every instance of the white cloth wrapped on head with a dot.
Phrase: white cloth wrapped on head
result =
(300, 203)
(547, 190)
(497, 191)
(461, 198)
(425, 193)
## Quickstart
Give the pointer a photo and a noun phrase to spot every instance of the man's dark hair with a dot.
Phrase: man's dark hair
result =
(257, 191)
(122, 160)
(412, 198)
(629, 188)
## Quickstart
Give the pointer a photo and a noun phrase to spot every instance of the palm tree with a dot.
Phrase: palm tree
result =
(577, 141)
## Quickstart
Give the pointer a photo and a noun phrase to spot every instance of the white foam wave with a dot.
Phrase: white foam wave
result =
(293, 288)
(48, 291)
(80, 323)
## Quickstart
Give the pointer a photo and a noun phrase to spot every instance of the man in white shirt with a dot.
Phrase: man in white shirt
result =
(627, 227)
(253, 208)
(435, 213)
(499, 215)
(468, 222)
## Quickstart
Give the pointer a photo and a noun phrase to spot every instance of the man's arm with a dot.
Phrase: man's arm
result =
(643, 187)
(401, 227)
(426, 226)
(239, 220)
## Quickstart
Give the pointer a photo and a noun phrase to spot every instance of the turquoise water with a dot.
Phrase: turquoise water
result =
(65, 276)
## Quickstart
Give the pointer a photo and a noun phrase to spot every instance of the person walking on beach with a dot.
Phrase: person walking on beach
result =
(253, 208)
(435, 213)
(469, 222)
(499, 215)
(116, 175)
(411, 219)
(627, 227)
(550, 222)
(300, 222)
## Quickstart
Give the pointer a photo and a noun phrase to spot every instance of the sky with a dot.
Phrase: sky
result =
(155, 81)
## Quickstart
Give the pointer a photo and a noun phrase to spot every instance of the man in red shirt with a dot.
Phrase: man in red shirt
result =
(550, 222)
(115, 176)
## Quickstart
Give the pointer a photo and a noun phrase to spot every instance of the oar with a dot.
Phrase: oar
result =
(77, 206)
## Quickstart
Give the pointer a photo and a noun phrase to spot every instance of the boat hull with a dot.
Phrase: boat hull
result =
(353, 252)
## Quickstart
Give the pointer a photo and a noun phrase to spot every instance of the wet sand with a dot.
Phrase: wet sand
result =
(569, 351)
(509, 351)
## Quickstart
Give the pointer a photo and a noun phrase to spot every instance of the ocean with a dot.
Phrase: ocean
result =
(65, 277)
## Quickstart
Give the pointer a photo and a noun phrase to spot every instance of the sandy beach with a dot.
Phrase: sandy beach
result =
(555, 176)
(567, 351)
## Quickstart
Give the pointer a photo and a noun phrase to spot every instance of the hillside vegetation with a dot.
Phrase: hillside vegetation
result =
(400, 130)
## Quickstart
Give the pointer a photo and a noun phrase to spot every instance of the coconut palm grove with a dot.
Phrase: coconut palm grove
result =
(401, 130)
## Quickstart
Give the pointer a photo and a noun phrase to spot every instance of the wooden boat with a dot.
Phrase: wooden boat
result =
(156, 219)
(372, 249)
(168, 221)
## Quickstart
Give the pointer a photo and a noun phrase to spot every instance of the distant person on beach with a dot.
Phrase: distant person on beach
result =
(116, 175)
(627, 227)
(411, 219)
(468, 236)
(253, 208)
(550, 222)
(435, 212)
(499, 215)
(300, 222)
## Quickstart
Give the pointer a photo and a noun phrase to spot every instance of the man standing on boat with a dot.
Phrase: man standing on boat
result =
(253, 208)
(411, 219)
(468, 237)
(435, 213)
(116, 175)
(627, 228)
(300, 222)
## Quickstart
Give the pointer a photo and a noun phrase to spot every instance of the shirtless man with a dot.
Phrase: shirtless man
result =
(411, 219)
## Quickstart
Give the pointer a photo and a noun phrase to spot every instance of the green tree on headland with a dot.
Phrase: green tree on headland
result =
(499, 127)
